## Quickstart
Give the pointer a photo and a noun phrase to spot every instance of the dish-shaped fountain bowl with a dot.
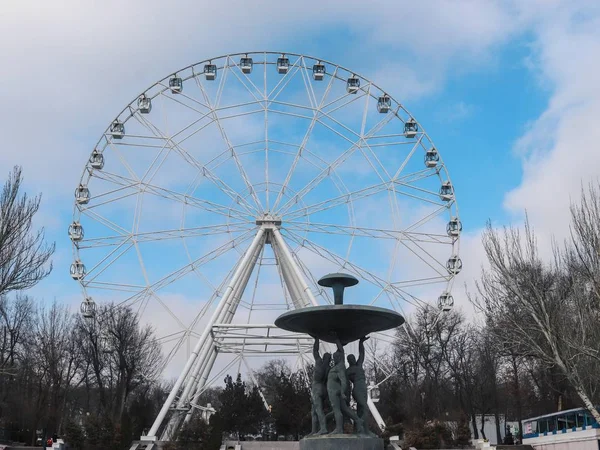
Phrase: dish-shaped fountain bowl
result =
(347, 323)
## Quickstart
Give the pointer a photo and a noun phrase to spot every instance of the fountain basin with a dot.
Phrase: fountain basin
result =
(347, 323)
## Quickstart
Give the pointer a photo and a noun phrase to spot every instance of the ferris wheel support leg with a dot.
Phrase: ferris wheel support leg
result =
(291, 284)
(226, 315)
(375, 413)
(224, 303)
(204, 356)
(205, 361)
(285, 254)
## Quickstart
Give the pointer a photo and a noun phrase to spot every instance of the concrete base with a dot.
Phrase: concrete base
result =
(341, 442)
(263, 445)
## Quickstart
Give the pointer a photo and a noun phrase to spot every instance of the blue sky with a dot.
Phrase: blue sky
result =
(506, 90)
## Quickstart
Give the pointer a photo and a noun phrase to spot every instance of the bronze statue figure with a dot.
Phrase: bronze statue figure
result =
(319, 390)
(356, 374)
(337, 385)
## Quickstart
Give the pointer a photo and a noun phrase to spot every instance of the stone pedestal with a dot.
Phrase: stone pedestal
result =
(341, 442)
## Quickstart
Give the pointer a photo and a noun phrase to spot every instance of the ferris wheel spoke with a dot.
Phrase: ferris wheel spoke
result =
(198, 203)
(111, 257)
(420, 198)
(167, 309)
(186, 156)
(331, 167)
(335, 178)
(114, 178)
(352, 196)
(194, 265)
(407, 159)
(118, 287)
(302, 147)
(350, 99)
(181, 94)
(432, 262)
(258, 208)
(147, 188)
(433, 214)
(284, 81)
(310, 92)
(345, 264)
(378, 166)
(356, 136)
(104, 221)
(159, 159)
(253, 92)
(377, 233)
(211, 230)
(121, 159)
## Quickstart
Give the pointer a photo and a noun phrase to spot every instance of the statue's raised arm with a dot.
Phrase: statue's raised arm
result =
(316, 354)
(340, 347)
(361, 350)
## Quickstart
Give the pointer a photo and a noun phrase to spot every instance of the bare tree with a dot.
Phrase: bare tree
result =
(119, 355)
(24, 254)
(536, 308)
(57, 352)
(16, 317)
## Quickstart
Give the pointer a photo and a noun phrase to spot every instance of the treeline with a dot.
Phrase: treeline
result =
(95, 381)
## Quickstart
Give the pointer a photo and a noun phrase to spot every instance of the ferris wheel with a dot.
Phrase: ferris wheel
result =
(214, 201)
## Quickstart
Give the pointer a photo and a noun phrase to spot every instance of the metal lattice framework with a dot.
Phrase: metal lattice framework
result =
(215, 199)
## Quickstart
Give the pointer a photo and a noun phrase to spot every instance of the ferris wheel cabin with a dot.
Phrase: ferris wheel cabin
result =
(432, 158)
(454, 227)
(117, 130)
(454, 265)
(353, 85)
(144, 104)
(77, 270)
(210, 71)
(318, 71)
(75, 232)
(445, 302)
(88, 308)
(175, 84)
(411, 128)
(384, 103)
(97, 160)
(447, 191)
(283, 65)
(246, 64)
(82, 195)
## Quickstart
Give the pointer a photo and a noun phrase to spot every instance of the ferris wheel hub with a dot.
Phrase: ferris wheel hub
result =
(268, 221)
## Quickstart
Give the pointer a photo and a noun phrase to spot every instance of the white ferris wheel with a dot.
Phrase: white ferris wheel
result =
(214, 201)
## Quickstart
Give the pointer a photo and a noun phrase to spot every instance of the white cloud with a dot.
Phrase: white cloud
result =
(559, 151)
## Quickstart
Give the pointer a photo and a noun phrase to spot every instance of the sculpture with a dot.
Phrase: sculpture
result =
(339, 324)
(356, 375)
(319, 389)
(337, 385)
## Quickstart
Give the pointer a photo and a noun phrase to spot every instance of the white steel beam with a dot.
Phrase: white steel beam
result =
(230, 299)
(224, 303)
(308, 299)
